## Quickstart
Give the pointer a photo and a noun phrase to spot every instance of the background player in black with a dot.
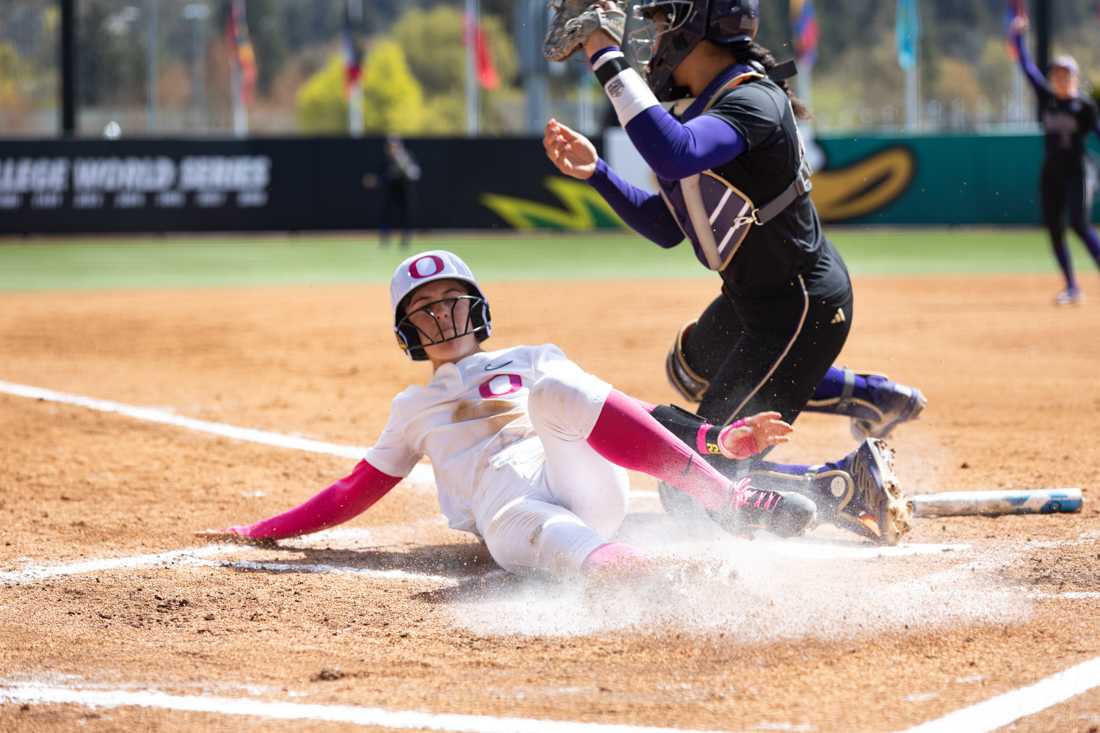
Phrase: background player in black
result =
(399, 176)
(729, 161)
(1067, 118)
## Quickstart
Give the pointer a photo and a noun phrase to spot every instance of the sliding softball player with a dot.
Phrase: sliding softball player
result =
(528, 449)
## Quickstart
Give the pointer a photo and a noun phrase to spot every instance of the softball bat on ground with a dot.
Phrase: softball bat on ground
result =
(991, 503)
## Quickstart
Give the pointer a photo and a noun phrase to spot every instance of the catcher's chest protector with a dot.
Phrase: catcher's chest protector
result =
(714, 214)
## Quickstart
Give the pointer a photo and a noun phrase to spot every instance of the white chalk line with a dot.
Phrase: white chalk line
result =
(323, 569)
(810, 550)
(421, 474)
(196, 557)
(1004, 709)
(1071, 595)
(36, 573)
(272, 710)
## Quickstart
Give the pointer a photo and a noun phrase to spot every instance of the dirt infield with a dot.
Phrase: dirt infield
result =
(397, 613)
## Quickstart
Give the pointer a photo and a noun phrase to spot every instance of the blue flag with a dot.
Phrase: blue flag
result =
(908, 33)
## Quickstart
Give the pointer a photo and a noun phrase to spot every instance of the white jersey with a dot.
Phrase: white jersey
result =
(471, 416)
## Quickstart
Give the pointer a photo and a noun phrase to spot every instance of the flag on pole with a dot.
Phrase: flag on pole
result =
(353, 53)
(908, 33)
(478, 44)
(244, 56)
(805, 30)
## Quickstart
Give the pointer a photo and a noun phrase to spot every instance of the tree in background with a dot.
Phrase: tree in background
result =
(13, 101)
(393, 101)
(434, 41)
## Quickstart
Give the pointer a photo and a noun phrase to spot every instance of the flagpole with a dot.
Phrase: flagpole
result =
(473, 17)
(908, 39)
(355, 93)
(153, 38)
(240, 114)
(236, 75)
(912, 97)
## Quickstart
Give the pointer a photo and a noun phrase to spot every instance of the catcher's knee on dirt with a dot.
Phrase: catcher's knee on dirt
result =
(527, 535)
(685, 380)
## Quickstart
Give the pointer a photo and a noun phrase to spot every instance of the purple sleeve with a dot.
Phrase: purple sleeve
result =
(645, 213)
(1031, 71)
(675, 150)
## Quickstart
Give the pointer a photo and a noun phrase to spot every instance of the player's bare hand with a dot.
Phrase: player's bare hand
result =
(1020, 24)
(571, 152)
(757, 433)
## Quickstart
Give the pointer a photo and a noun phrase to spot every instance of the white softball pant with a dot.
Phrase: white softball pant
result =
(550, 505)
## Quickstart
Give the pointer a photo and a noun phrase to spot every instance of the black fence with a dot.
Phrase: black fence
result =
(259, 184)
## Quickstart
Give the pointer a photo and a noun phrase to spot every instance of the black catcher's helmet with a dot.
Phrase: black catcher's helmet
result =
(685, 24)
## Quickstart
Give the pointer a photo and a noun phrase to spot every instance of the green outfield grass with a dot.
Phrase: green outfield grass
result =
(183, 261)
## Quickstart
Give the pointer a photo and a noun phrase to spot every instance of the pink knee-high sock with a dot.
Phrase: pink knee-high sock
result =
(614, 555)
(627, 435)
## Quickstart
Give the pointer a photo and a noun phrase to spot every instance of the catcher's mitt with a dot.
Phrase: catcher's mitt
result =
(575, 20)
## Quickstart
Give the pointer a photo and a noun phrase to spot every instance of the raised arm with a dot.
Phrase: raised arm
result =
(674, 150)
(346, 499)
(1031, 71)
(644, 212)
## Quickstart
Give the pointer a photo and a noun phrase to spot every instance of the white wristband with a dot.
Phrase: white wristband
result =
(627, 90)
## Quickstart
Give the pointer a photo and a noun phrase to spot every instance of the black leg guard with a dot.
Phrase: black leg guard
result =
(685, 380)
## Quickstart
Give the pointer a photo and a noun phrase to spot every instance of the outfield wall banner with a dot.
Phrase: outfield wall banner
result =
(262, 184)
(305, 184)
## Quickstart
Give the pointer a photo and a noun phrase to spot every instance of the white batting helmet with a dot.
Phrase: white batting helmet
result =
(424, 268)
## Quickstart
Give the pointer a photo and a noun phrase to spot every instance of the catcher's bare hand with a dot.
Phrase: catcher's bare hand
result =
(759, 432)
(1020, 24)
(571, 152)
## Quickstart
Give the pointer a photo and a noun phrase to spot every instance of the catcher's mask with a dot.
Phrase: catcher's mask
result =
(661, 33)
(441, 320)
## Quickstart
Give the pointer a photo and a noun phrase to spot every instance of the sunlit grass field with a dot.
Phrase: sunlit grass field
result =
(155, 261)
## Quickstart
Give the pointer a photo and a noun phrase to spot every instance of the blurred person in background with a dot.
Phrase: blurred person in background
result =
(400, 173)
(1067, 180)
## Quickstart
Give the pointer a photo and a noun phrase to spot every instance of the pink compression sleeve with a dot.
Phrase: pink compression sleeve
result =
(627, 435)
(347, 498)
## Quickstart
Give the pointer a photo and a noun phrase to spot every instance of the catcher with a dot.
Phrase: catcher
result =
(734, 181)
(529, 450)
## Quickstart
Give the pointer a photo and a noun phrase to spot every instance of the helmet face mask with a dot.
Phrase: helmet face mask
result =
(440, 321)
(648, 21)
(430, 323)
(660, 34)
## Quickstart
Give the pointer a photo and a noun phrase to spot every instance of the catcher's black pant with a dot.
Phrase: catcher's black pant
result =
(770, 353)
(1066, 191)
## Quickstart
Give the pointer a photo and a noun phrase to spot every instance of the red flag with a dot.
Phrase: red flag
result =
(243, 53)
(353, 53)
(806, 31)
(487, 74)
